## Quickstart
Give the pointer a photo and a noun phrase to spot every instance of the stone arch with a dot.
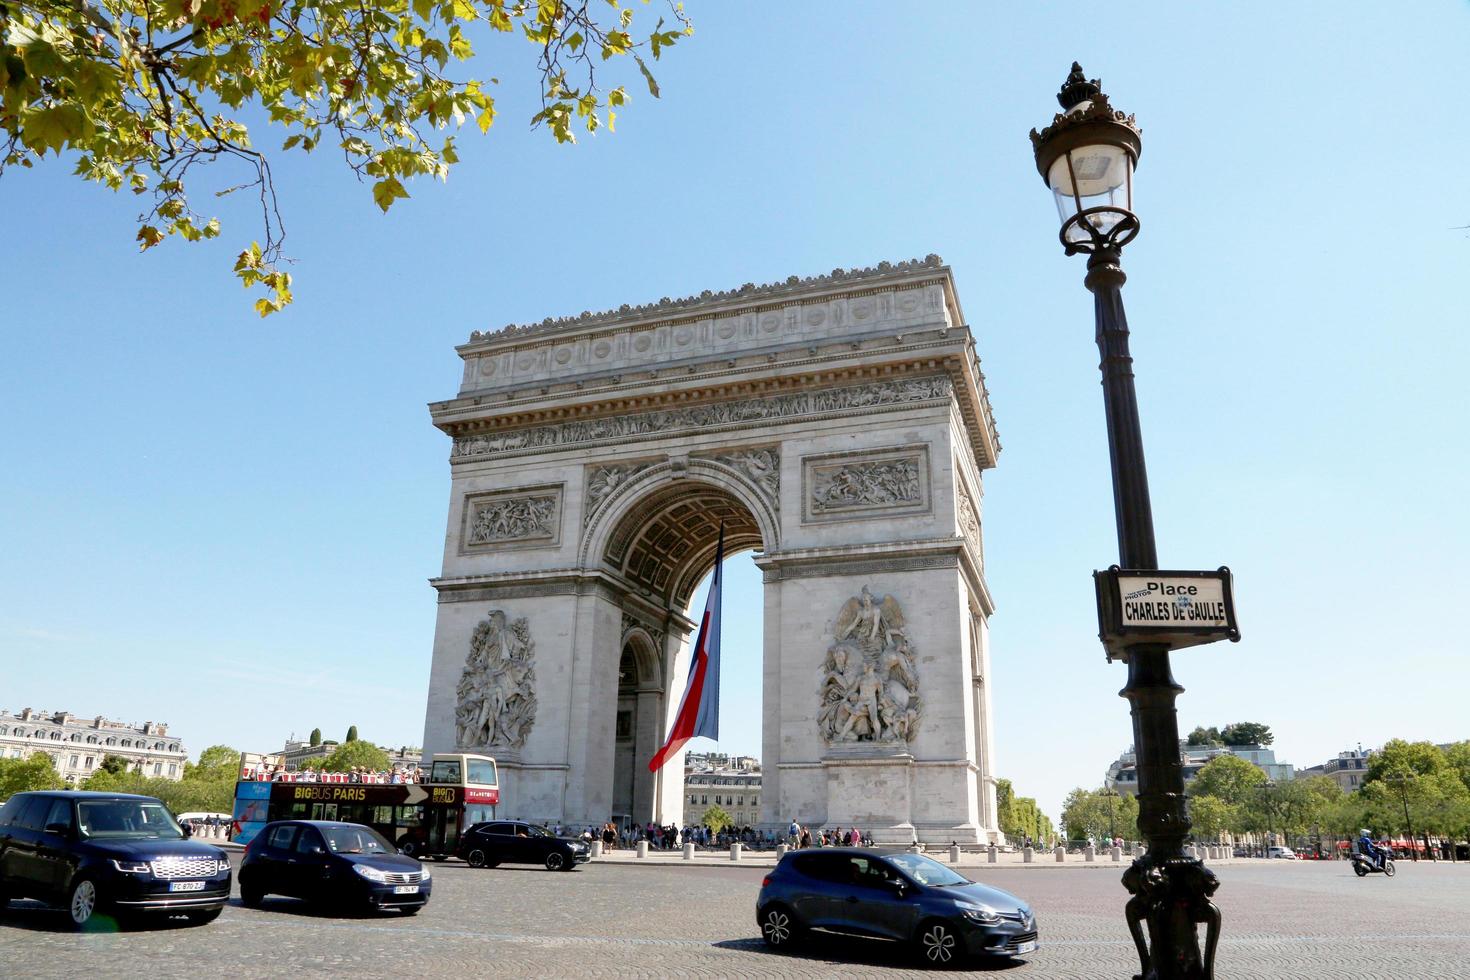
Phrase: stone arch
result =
(647, 657)
(660, 485)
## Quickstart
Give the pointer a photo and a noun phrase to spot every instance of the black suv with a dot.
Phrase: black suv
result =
(111, 853)
(344, 864)
(512, 842)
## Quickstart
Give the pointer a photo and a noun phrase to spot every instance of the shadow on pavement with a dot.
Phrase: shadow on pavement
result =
(857, 951)
(32, 916)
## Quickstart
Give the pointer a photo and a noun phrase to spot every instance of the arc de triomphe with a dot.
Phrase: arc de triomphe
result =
(838, 425)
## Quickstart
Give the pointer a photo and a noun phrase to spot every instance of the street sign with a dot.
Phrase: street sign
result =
(1177, 609)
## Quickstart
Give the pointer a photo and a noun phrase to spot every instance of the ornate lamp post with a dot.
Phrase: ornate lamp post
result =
(1087, 157)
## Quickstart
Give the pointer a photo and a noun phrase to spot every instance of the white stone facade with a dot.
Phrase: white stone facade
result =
(77, 745)
(736, 791)
(839, 426)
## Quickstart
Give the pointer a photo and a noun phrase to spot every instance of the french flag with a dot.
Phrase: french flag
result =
(699, 712)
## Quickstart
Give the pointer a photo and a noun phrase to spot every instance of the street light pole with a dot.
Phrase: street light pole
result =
(1401, 782)
(1087, 156)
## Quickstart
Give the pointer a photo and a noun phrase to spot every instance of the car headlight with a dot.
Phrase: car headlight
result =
(424, 873)
(979, 913)
(131, 867)
(224, 866)
(371, 874)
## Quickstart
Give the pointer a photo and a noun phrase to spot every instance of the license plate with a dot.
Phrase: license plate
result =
(1024, 948)
(186, 886)
(405, 889)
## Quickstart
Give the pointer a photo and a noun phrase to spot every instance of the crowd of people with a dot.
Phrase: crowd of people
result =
(668, 838)
(357, 774)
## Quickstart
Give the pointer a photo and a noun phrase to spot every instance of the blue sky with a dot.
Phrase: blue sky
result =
(227, 523)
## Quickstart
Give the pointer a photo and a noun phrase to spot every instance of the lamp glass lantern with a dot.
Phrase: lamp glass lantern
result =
(1087, 157)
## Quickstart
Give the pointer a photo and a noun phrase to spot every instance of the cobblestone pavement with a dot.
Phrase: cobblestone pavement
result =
(1282, 919)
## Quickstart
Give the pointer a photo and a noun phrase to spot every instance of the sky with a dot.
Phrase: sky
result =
(227, 524)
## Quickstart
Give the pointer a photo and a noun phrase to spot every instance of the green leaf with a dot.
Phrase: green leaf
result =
(386, 191)
(648, 76)
(148, 236)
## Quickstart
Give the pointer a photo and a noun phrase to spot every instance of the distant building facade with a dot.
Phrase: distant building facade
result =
(77, 746)
(295, 754)
(1122, 775)
(734, 785)
(1348, 770)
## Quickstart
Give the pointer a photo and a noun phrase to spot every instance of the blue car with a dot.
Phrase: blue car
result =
(345, 865)
(107, 854)
(903, 897)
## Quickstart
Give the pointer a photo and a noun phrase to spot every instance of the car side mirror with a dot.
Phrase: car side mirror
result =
(188, 830)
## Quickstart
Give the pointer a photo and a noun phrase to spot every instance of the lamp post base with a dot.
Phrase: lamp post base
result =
(1172, 896)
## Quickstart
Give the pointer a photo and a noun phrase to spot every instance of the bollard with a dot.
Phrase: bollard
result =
(954, 854)
(597, 848)
(781, 850)
(689, 852)
(1028, 854)
(735, 851)
(991, 854)
(1061, 853)
(1091, 853)
(643, 849)
(1117, 854)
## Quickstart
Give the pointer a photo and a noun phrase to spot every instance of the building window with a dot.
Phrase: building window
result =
(88, 763)
(73, 762)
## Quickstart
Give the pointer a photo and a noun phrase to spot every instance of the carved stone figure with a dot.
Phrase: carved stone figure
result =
(869, 690)
(761, 466)
(969, 520)
(603, 480)
(512, 519)
(496, 693)
(870, 484)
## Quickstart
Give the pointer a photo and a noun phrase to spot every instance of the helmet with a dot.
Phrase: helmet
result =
(1366, 832)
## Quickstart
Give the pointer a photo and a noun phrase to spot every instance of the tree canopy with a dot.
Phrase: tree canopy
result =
(1019, 816)
(351, 734)
(316, 737)
(353, 754)
(207, 786)
(141, 94)
(1204, 736)
(1099, 814)
(716, 818)
(24, 775)
(1247, 733)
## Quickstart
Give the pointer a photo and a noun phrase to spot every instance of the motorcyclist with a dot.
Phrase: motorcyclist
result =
(1369, 849)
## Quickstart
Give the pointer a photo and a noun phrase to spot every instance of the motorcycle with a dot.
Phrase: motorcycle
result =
(1362, 865)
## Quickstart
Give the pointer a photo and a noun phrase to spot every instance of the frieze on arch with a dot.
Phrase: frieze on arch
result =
(496, 696)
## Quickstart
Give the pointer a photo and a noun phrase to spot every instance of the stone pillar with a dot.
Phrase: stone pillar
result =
(954, 854)
(1028, 855)
(1090, 854)
(597, 848)
(1117, 854)
(735, 851)
(643, 849)
(1061, 853)
(689, 852)
(991, 854)
(781, 850)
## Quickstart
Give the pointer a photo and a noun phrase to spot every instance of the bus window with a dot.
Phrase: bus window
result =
(481, 771)
(478, 813)
(382, 815)
(445, 772)
(409, 816)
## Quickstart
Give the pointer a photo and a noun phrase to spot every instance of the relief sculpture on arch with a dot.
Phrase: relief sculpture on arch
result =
(869, 688)
(496, 703)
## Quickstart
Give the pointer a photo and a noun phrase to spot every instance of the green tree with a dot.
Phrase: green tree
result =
(1204, 736)
(141, 95)
(316, 737)
(1099, 814)
(351, 733)
(1229, 779)
(1247, 733)
(24, 775)
(354, 754)
(114, 764)
(716, 819)
(1401, 758)
(1209, 817)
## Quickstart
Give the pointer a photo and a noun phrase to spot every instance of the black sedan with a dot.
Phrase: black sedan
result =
(511, 842)
(904, 897)
(339, 864)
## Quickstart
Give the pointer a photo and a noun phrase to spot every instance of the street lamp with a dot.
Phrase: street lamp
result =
(1087, 156)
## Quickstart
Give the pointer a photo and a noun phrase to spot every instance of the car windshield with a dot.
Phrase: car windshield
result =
(126, 820)
(356, 840)
(926, 871)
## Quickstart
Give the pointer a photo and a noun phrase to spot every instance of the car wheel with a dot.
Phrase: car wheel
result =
(556, 861)
(251, 895)
(476, 858)
(408, 848)
(778, 926)
(1388, 868)
(938, 943)
(82, 902)
(202, 917)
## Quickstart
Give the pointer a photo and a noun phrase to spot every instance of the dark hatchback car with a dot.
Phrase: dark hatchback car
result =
(904, 897)
(345, 865)
(512, 842)
(107, 854)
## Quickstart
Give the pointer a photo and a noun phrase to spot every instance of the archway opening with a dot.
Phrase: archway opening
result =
(664, 547)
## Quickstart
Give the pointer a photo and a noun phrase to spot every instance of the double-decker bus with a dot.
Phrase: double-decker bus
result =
(424, 819)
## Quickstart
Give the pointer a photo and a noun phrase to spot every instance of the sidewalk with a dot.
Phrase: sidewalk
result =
(968, 859)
